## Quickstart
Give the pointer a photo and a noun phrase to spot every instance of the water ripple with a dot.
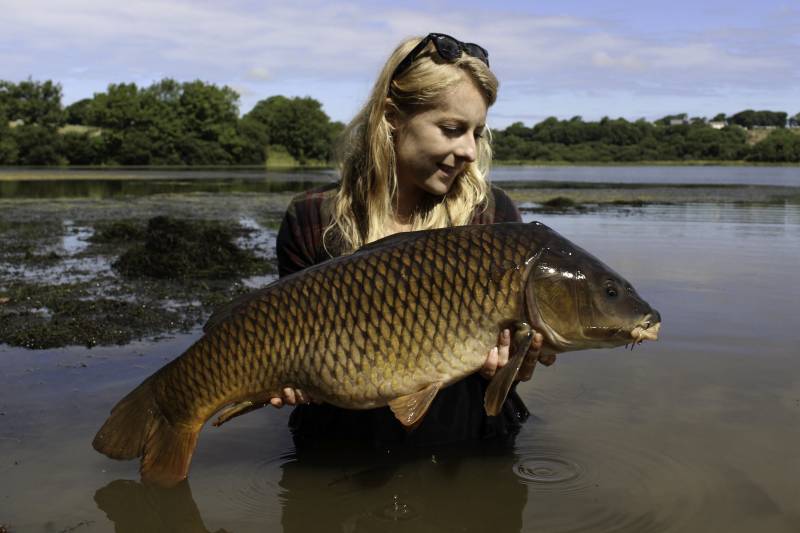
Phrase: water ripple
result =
(617, 487)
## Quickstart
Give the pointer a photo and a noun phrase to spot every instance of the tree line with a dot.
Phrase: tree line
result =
(672, 138)
(198, 123)
(166, 123)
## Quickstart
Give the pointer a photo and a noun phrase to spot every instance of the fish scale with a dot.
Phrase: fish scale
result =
(389, 324)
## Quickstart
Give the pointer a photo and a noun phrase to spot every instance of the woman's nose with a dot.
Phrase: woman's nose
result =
(466, 148)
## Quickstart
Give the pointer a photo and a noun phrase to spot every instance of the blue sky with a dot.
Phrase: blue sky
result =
(560, 58)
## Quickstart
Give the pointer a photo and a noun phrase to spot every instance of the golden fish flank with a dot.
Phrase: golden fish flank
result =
(390, 324)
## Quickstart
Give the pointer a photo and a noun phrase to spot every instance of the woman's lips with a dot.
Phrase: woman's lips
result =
(447, 169)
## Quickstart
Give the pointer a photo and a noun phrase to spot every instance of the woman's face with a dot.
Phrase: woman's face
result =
(434, 146)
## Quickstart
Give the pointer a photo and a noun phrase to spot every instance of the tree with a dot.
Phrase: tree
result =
(208, 116)
(8, 146)
(254, 141)
(32, 102)
(170, 123)
(82, 148)
(298, 124)
(749, 118)
(79, 112)
(37, 145)
(780, 146)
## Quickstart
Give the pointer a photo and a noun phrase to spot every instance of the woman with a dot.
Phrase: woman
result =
(414, 158)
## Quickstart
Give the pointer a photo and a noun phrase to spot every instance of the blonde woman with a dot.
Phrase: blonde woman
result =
(415, 157)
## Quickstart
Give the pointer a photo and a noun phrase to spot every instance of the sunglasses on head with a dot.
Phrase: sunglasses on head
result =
(448, 48)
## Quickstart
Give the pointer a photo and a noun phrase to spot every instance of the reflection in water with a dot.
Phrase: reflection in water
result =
(450, 490)
(134, 508)
(334, 490)
(111, 188)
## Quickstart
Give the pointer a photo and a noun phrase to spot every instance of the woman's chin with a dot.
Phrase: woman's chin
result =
(440, 183)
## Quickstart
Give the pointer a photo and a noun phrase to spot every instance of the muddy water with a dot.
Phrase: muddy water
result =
(697, 432)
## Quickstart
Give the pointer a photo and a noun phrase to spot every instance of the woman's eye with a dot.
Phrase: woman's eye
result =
(449, 130)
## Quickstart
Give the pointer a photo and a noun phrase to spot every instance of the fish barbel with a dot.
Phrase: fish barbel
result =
(390, 324)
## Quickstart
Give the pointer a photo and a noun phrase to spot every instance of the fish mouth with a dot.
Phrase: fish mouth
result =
(647, 330)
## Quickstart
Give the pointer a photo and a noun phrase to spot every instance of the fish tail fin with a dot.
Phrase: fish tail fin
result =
(138, 427)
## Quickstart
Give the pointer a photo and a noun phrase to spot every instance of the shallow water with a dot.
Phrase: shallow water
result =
(697, 432)
(708, 175)
(76, 183)
(111, 183)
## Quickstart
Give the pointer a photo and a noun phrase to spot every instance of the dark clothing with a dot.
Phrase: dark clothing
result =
(457, 412)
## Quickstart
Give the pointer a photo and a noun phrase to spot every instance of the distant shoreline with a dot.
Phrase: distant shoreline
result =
(30, 173)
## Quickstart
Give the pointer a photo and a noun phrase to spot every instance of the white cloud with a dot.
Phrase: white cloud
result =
(258, 73)
(319, 45)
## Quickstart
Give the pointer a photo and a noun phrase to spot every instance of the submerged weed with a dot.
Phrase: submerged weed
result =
(176, 249)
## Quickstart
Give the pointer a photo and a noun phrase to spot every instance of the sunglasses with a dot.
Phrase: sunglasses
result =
(448, 48)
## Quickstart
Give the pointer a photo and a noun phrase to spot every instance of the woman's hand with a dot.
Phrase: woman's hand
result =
(290, 396)
(498, 357)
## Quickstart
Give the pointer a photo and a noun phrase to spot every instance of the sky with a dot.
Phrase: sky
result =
(632, 59)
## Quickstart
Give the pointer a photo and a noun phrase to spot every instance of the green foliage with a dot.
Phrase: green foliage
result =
(32, 102)
(171, 123)
(78, 113)
(254, 141)
(8, 146)
(82, 148)
(197, 123)
(298, 124)
(611, 140)
(781, 145)
(749, 118)
(37, 145)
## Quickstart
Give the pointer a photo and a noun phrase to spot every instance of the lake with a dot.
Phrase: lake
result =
(710, 175)
(104, 183)
(696, 432)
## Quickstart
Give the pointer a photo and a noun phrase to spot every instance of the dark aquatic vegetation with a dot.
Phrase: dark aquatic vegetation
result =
(175, 249)
(388, 325)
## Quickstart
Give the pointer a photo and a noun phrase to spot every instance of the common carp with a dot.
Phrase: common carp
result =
(390, 324)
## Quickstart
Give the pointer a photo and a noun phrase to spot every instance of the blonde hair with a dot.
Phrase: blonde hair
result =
(363, 206)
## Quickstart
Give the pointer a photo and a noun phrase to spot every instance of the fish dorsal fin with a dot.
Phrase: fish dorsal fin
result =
(501, 383)
(410, 409)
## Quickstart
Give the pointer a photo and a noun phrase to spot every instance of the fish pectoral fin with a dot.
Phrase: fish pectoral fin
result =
(237, 409)
(410, 409)
(501, 382)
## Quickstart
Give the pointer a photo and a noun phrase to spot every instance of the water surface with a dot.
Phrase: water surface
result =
(708, 175)
(104, 183)
(697, 432)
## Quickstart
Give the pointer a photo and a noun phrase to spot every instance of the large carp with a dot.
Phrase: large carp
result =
(389, 324)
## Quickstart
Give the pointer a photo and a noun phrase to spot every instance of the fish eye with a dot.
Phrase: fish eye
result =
(611, 292)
